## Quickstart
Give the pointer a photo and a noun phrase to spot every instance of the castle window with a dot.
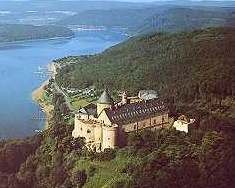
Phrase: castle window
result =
(135, 127)
(154, 122)
(88, 131)
(108, 138)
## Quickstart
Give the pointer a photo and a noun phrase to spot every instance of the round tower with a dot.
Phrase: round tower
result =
(105, 101)
(110, 137)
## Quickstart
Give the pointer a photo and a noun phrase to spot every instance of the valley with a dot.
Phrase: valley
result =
(117, 94)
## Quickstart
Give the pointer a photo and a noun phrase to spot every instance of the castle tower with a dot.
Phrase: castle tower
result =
(105, 101)
(110, 135)
(124, 98)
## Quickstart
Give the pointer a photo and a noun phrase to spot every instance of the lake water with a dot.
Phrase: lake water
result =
(18, 64)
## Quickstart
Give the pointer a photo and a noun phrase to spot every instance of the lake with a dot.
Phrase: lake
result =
(19, 63)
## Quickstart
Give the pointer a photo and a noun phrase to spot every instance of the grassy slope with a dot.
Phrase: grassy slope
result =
(107, 172)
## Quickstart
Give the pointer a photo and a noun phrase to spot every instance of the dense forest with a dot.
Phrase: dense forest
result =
(192, 71)
(19, 32)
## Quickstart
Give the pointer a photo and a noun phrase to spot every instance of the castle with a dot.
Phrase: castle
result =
(104, 125)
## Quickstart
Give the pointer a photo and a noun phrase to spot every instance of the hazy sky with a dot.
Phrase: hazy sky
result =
(164, 0)
(154, 0)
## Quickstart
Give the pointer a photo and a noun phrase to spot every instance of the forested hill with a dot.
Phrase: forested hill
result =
(195, 68)
(167, 18)
(18, 32)
(188, 19)
(126, 18)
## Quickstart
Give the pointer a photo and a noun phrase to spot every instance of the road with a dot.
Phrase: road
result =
(53, 70)
(59, 90)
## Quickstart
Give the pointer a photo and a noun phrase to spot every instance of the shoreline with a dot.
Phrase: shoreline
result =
(4, 43)
(37, 97)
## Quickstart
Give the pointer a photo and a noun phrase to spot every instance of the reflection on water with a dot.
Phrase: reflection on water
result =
(18, 63)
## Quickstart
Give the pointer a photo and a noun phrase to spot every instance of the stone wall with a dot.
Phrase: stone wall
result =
(101, 134)
(90, 130)
(157, 121)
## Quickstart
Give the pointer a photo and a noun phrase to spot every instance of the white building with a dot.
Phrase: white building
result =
(183, 124)
(147, 94)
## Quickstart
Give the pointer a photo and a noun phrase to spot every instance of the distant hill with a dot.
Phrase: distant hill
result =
(188, 19)
(17, 32)
(127, 18)
(205, 3)
(57, 5)
(158, 18)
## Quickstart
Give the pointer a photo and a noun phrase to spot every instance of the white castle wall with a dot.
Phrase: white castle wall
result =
(110, 137)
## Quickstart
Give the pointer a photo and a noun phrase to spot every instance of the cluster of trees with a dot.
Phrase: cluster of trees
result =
(60, 107)
(166, 158)
(12, 154)
(172, 159)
